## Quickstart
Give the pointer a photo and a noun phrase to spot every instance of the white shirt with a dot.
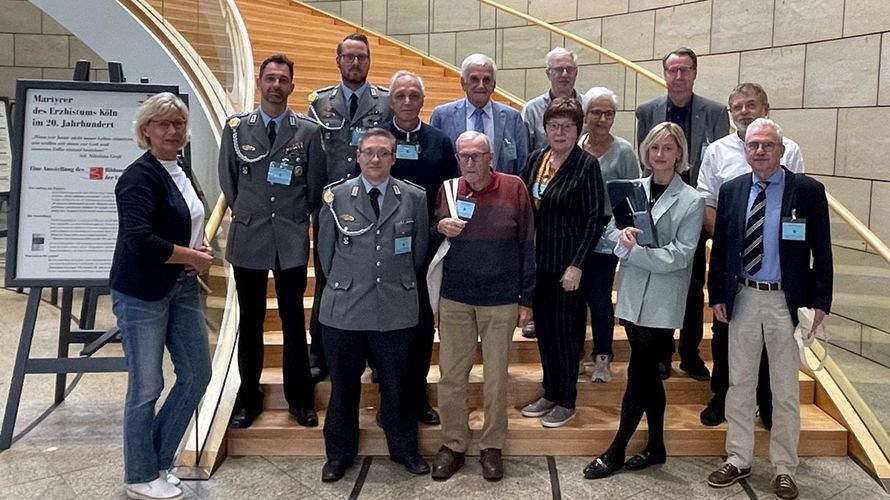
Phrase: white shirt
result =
(196, 208)
(724, 160)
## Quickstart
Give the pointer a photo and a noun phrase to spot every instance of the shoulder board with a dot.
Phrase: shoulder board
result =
(412, 184)
(235, 120)
(324, 89)
(382, 88)
(336, 183)
(304, 117)
(240, 115)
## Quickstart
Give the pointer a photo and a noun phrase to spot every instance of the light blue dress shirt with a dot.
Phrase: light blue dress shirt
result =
(382, 187)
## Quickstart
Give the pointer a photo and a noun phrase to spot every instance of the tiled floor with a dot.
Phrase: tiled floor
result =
(75, 452)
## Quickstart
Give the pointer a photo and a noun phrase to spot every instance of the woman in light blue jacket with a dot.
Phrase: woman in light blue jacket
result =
(652, 294)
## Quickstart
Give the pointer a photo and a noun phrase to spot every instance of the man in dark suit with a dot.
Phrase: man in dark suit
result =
(271, 171)
(503, 124)
(703, 121)
(424, 156)
(372, 240)
(770, 225)
(344, 112)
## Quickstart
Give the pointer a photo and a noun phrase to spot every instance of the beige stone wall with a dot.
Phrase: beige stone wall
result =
(33, 45)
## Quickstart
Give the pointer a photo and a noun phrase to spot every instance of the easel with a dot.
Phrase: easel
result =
(91, 339)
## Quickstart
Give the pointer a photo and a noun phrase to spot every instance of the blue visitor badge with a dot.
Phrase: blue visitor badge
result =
(794, 229)
(509, 149)
(356, 135)
(279, 173)
(402, 245)
(465, 209)
(407, 151)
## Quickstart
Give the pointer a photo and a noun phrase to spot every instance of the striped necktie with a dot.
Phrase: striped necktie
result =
(752, 256)
(478, 125)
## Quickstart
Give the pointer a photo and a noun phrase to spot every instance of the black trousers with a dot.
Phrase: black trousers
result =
(692, 331)
(644, 393)
(560, 324)
(290, 285)
(421, 345)
(347, 352)
(720, 373)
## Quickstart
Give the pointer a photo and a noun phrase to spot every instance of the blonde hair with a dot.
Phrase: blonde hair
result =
(659, 132)
(154, 107)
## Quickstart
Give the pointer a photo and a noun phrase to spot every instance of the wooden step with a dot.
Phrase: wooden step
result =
(525, 386)
(275, 432)
(218, 282)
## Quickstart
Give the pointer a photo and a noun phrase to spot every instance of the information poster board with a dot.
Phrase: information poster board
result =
(72, 142)
(5, 146)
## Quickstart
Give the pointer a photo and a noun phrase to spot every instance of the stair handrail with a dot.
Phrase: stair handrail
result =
(866, 234)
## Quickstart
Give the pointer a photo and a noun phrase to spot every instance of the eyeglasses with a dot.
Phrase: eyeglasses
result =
(361, 58)
(597, 114)
(475, 157)
(679, 70)
(571, 70)
(562, 127)
(165, 124)
(376, 153)
(767, 147)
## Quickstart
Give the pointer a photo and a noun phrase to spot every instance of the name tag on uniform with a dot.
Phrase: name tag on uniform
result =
(794, 229)
(509, 149)
(538, 189)
(279, 174)
(407, 151)
(465, 209)
(356, 136)
(402, 245)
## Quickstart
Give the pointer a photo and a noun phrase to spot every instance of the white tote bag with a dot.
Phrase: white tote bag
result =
(434, 273)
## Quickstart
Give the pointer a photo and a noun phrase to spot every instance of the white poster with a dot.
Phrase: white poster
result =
(5, 150)
(76, 144)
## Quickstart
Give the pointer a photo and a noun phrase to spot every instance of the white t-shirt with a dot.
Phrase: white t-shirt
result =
(196, 208)
(724, 160)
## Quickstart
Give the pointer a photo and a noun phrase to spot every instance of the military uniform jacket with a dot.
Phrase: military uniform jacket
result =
(329, 109)
(369, 285)
(270, 220)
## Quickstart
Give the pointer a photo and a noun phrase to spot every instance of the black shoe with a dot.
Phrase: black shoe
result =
(428, 416)
(664, 370)
(602, 466)
(713, 413)
(696, 370)
(645, 459)
(415, 464)
(377, 419)
(766, 416)
(334, 470)
(305, 416)
(317, 374)
(243, 417)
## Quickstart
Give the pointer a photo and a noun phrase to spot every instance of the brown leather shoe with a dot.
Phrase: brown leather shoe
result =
(785, 487)
(492, 465)
(446, 463)
(727, 475)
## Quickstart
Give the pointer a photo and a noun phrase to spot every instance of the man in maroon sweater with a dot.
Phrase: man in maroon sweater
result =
(487, 284)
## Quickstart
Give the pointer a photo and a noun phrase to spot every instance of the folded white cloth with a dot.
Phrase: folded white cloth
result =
(806, 335)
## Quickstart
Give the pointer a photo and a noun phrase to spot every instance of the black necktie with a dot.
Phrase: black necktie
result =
(270, 130)
(353, 106)
(374, 193)
(752, 255)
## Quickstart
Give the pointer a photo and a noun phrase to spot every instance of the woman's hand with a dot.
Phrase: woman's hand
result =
(571, 279)
(199, 260)
(451, 227)
(628, 237)
(525, 316)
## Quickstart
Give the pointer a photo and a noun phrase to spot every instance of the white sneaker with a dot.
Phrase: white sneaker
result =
(159, 489)
(164, 473)
(602, 370)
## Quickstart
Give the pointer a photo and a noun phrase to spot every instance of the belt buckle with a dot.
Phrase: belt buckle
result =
(763, 286)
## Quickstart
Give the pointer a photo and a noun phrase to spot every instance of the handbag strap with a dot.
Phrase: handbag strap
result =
(451, 195)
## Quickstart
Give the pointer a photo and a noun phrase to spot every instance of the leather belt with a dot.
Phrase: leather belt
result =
(761, 285)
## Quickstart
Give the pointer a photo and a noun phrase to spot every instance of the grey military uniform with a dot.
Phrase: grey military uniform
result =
(270, 220)
(330, 110)
(370, 286)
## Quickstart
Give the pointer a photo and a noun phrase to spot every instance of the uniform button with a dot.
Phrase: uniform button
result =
(378, 248)
(337, 283)
(378, 280)
(273, 215)
(378, 231)
(349, 159)
(272, 199)
(378, 263)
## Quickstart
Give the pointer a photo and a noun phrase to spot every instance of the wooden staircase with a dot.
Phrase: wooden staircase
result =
(309, 38)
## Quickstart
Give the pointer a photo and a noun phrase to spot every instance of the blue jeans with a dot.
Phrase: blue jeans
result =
(175, 321)
(602, 312)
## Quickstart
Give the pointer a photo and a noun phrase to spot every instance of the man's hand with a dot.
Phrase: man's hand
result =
(525, 316)
(818, 317)
(720, 312)
(451, 227)
(571, 279)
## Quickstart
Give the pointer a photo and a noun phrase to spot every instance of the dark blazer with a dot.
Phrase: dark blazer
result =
(709, 119)
(152, 217)
(568, 223)
(804, 286)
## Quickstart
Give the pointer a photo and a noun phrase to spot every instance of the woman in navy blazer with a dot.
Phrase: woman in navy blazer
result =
(567, 199)
(155, 297)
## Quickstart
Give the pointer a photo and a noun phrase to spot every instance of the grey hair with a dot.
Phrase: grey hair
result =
(595, 93)
(765, 123)
(404, 73)
(469, 135)
(156, 106)
(560, 52)
(477, 60)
